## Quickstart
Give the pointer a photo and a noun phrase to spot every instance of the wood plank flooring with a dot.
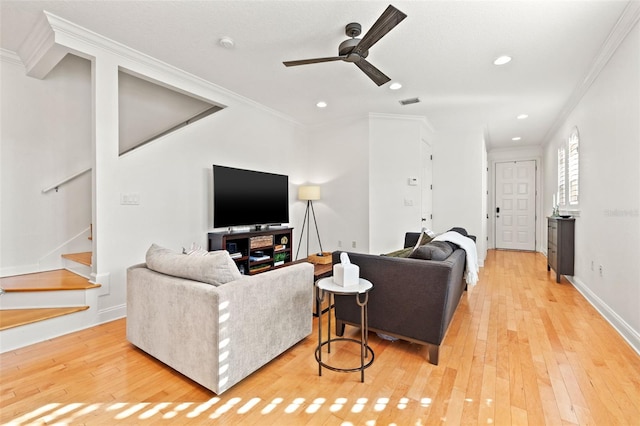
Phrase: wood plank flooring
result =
(83, 258)
(59, 279)
(10, 318)
(521, 350)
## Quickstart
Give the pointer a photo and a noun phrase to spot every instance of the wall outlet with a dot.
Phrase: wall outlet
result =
(130, 199)
(339, 243)
(353, 244)
(601, 271)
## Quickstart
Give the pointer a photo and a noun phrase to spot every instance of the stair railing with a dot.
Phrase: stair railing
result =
(63, 181)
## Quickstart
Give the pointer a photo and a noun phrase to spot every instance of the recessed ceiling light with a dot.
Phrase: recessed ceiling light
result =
(522, 116)
(501, 60)
(227, 42)
(395, 86)
(321, 104)
(517, 138)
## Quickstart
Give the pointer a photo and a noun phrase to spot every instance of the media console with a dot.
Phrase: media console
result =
(255, 251)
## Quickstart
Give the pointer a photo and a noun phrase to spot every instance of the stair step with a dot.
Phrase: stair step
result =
(83, 258)
(60, 279)
(10, 318)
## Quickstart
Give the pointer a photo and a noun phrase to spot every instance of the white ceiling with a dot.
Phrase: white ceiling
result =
(442, 53)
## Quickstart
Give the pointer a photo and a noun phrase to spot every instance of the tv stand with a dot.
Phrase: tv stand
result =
(257, 250)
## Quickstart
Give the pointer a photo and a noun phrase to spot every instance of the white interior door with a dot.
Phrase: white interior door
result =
(426, 178)
(515, 209)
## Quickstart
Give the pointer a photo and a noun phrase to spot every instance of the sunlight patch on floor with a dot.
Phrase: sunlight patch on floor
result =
(214, 408)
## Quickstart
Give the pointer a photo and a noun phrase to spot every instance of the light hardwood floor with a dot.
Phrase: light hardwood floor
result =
(521, 350)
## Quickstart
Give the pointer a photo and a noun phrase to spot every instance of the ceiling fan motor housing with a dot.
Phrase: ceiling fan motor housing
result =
(347, 46)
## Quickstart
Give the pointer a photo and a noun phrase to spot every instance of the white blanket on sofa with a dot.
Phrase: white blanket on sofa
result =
(469, 246)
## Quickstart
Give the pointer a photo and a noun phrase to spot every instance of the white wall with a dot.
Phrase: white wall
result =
(362, 165)
(173, 175)
(45, 138)
(459, 176)
(394, 205)
(608, 226)
(337, 159)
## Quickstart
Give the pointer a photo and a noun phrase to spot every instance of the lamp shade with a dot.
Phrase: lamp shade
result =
(309, 192)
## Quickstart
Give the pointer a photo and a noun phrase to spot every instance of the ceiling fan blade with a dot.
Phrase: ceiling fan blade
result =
(385, 23)
(372, 72)
(313, 61)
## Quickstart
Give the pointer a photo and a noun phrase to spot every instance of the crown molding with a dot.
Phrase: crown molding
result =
(628, 19)
(76, 33)
(53, 37)
(39, 52)
(10, 57)
(420, 118)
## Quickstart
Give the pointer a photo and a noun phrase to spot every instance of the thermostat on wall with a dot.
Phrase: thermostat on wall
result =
(413, 181)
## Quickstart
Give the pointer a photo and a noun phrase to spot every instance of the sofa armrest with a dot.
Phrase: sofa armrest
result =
(264, 315)
(176, 321)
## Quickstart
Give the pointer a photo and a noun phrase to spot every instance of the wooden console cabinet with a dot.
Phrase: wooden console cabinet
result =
(255, 251)
(560, 245)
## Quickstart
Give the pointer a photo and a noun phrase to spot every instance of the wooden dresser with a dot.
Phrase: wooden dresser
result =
(560, 245)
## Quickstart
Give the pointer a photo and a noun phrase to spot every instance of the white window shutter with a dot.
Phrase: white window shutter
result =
(562, 164)
(574, 167)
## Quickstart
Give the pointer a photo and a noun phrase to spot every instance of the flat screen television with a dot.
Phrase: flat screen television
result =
(247, 197)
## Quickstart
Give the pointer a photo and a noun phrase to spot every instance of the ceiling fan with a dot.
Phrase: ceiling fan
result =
(355, 50)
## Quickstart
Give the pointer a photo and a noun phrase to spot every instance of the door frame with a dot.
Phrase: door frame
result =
(507, 156)
(426, 148)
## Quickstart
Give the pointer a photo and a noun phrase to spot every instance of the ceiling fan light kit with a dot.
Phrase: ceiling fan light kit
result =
(355, 50)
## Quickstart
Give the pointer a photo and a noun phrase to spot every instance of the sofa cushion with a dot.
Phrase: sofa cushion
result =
(423, 239)
(405, 252)
(215, 268)
(434, 250)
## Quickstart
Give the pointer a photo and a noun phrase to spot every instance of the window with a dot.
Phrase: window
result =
(561, 176)
(569, 171)
(574, 169)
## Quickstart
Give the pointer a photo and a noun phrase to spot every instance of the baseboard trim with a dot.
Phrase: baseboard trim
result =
(625, 330)
(111, 314)
(31, 334)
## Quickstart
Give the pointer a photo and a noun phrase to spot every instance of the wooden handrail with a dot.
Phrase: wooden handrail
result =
(62, 182)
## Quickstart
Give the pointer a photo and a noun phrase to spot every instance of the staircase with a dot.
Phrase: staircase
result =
(40, 306)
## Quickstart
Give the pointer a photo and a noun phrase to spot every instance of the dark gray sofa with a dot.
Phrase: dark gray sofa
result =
(412, 299)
